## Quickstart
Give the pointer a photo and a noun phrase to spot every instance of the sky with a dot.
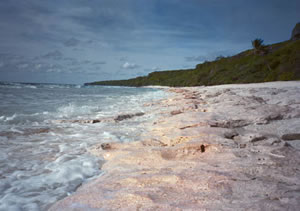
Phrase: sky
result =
(78, 41)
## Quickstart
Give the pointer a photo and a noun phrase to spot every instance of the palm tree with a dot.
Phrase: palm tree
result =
(258, 46)
(260, 49)
(257, 43)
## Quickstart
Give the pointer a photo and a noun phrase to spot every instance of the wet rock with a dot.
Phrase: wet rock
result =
(96, 121)
(291, 136)
(127, 116)
(26, 132)
(82, 121)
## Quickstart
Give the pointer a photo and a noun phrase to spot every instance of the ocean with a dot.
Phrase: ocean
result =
(44, 140)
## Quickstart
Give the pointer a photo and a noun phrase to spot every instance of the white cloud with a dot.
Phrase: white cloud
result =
(128, 65)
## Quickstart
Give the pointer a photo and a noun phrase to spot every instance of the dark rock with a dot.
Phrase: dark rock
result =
(127, 116)
(190, 97)
(230, 123)
(243, 145)
(274, 116)
(258, 138)
(81, 121)
(291, 136)
(277, 141)
(106, 146)
(296, 32)
(202, 147)
(176, 112)
(96, 121)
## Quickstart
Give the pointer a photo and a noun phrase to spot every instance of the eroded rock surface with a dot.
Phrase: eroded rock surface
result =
(117, 118)
(231, 147)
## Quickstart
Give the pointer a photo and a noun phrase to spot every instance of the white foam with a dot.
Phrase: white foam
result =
(9, 118)
(30, 86)
(76, 110)
(49, 160)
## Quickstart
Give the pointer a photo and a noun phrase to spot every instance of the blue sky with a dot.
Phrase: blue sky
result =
(77, 41)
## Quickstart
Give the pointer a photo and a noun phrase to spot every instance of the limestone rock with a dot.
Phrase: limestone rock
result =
(234, 156)
(296, 32)
(230, 134)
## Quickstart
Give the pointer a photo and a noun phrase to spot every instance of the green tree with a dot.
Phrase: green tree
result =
(259, 47)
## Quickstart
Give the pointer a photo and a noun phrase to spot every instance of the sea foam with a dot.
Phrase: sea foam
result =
(43, 160)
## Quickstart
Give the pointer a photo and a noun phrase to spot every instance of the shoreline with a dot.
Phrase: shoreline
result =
(219, 147)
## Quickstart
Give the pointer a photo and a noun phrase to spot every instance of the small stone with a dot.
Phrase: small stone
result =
(243, 145)
(202, 147)
(105, 146)
(176, 112)
(258, 138)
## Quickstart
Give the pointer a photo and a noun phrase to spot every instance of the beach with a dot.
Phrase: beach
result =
(228, 147)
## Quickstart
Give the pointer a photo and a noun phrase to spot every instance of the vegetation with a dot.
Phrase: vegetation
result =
(278, 62)
(259, 47)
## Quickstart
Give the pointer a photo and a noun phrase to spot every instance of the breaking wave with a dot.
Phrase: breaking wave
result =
(48, 160)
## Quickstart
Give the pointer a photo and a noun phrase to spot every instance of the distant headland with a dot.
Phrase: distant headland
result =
(263, 63)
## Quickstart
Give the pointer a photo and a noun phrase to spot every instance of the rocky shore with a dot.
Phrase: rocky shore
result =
(228, 147)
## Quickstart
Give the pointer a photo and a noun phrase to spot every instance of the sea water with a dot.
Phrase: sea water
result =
(43, 159)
